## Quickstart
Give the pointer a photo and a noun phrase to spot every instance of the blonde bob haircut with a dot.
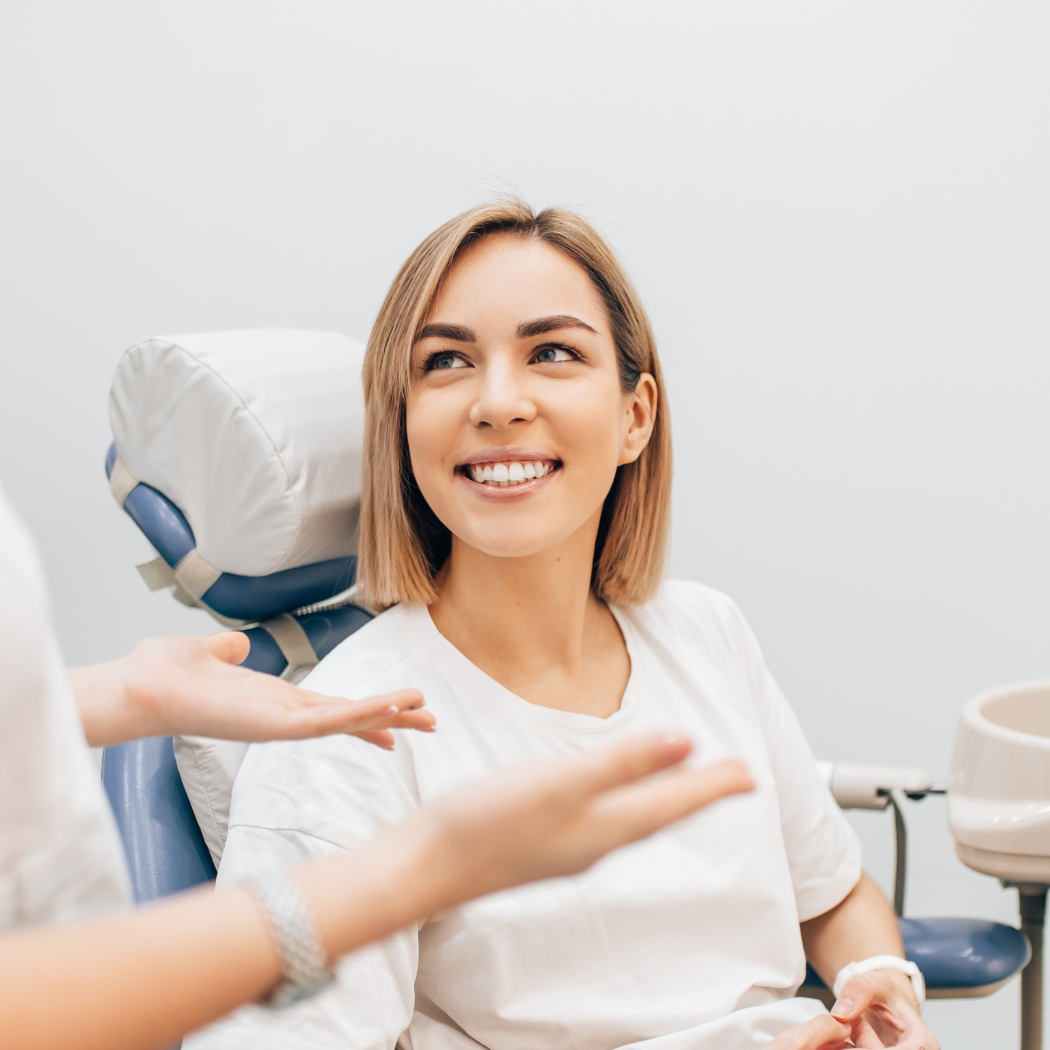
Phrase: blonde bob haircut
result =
(403, 544)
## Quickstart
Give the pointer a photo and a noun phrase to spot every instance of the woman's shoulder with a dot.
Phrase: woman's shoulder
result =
(687, 598)
(372, 652)
(690, 613)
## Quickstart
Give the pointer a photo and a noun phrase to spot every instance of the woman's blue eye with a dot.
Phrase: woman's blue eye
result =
(443, 361)
(550, 354)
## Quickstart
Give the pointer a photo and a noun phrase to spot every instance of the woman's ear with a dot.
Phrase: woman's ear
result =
(641, 416)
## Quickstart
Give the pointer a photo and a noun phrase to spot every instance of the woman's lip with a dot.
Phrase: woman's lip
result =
(507, 455)
(501, 492)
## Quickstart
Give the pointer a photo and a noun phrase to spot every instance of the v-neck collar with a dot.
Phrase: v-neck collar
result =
(462, 667)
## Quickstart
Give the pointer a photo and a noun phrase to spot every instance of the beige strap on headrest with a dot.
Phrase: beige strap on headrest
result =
(121, 481)
(191, 578)
(291, 639)
(196, 574)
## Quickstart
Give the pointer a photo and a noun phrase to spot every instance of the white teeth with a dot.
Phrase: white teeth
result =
(506, 474)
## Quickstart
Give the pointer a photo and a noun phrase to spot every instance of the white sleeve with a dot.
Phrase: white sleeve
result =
(301, 801)
(823, 851)
(61, 859)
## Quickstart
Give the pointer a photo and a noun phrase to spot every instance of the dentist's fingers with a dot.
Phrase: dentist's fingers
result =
(231, 647)
(327, 716)
(401, 702)
(633, 812)
(559, 817)
(821, 1033)
(625, 763)
(382, 739)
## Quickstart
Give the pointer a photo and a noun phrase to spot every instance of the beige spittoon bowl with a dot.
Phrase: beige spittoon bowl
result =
(999, 785)
(999, 814)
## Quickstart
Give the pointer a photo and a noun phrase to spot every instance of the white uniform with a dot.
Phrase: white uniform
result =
(60, 854)
(686, 941)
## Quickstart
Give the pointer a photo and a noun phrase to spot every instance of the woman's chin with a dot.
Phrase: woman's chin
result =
(510, 544)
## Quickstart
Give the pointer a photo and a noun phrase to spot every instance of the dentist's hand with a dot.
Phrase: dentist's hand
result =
(534, 822)
(174, 685)
(559, 817)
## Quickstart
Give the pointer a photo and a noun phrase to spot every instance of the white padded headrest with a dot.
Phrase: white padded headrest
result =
(255, 435)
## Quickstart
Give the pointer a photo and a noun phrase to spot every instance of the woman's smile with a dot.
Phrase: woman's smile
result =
(503, 473)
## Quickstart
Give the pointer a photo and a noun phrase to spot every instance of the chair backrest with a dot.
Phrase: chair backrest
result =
(238, 456)
(162, 842)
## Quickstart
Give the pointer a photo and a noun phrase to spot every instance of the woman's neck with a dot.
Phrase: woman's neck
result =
(533, 625)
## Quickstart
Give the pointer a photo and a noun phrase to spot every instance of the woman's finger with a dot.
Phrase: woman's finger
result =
(850, 1007)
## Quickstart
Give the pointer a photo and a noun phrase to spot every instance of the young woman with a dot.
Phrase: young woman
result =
(517, 480)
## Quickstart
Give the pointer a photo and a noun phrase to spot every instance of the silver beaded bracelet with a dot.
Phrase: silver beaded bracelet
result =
(303, 959)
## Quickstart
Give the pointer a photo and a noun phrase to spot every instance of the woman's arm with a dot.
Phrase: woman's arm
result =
(142, 980)
(168, 686)
(861, 925)
(880, 1006)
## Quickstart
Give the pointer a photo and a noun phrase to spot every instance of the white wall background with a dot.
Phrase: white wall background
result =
(838, 216)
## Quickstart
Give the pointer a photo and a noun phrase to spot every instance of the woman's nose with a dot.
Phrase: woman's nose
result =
(502, 399)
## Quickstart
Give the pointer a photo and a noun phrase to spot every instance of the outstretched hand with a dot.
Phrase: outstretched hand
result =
(194, 686)
(558, 818)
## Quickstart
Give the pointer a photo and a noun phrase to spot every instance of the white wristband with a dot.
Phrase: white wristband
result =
(881, 962)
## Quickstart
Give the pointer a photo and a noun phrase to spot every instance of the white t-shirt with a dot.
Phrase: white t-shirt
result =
(60, 854)
(686, 941)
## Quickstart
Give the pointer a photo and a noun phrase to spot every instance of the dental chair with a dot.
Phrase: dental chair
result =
(238, 455)
(255, 437)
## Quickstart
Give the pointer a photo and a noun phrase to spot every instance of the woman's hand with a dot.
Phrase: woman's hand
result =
(174, 685)
(881, 1009)
(557, 818)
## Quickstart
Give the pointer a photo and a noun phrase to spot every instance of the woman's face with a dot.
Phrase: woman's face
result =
(516, 419)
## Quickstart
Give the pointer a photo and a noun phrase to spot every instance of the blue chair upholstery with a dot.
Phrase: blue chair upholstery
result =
(325, 629)
(958, 957)
(162, 842)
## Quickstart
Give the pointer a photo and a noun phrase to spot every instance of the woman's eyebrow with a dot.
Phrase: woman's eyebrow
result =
(527, 329)
(460, 332)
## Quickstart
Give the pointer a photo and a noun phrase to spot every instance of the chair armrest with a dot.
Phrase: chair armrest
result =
(868, 787)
